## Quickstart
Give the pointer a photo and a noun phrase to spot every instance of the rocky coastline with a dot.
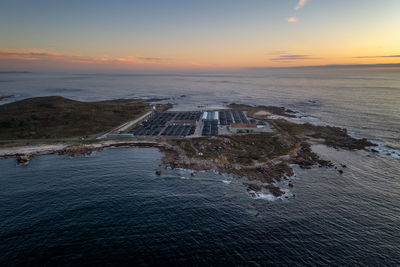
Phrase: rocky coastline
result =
(264, 160)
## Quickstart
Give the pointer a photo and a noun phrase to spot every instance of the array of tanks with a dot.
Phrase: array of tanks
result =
(227, 117)
(184, 123)
(154, 125)
(210, 128)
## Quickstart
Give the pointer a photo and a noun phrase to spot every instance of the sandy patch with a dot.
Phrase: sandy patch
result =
(262, 113)
(29, 150)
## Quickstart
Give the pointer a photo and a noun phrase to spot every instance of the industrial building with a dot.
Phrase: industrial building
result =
(245, 128)
(210, 116)
(193, 123)
(210, 128)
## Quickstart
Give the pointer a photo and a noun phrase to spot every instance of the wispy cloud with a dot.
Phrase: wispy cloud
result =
(388, 56)
(276, 53)
(150, 58)
(292, 20)
(301, 4)
(40, 54)
(289, 57)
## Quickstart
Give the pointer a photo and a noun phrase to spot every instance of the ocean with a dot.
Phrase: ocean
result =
(111, 208)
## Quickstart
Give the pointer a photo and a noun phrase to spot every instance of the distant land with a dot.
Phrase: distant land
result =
(14, 71)
(339, 66)
(199, 71)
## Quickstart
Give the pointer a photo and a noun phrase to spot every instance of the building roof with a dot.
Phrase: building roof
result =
(243, 125)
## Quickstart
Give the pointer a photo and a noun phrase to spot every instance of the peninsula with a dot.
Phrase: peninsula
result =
(257, 143)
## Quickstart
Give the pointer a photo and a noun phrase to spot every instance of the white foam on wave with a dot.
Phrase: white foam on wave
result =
(313, 102)
(301, 118)
(385, 150)
(226, 181)
(268, 197)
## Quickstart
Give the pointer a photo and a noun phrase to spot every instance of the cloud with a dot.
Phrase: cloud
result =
(301, 4)
(149, 58)
(292, 20)
(288, 58)
(44, 55)
(378, 56)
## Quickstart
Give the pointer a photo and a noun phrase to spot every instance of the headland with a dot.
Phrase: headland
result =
(257, 143)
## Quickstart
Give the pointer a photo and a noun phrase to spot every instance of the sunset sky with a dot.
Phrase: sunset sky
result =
(202, 34)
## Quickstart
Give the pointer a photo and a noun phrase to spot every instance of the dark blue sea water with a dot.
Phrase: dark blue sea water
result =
(112, 209)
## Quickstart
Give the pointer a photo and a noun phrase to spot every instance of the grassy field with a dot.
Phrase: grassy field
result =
(58, 117)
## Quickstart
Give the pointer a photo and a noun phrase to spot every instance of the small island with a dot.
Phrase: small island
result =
(257, 143)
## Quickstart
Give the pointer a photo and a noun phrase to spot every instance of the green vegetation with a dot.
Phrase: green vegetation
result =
(236, 149)
(58, 117)
(332, 136)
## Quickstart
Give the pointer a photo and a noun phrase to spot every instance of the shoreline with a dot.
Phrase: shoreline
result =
(259, 179)
(72, 149)
(265, 159)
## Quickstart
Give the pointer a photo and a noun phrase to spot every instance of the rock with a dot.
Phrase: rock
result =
(192, 173)
(290, 185)
(340, 171)
(374, 150)
(344, 166)
(158, 172)
(23, 159)
(77, 150)
(254, 187)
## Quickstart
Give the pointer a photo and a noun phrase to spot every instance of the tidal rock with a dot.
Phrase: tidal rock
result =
(158, 172)
(23, 159)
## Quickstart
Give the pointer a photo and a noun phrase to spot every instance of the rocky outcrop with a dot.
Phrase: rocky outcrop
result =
(23, 159)
(77, 150)
(306, 159)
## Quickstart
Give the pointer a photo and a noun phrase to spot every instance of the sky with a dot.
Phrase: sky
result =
(202, 34)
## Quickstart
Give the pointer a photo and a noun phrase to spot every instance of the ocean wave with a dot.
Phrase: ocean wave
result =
(385, 150)
(312, 102)
(63, 90)
(270, 197)
(265, 196)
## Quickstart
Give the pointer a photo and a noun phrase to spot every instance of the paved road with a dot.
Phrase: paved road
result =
(130, 123)
(126, 125)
